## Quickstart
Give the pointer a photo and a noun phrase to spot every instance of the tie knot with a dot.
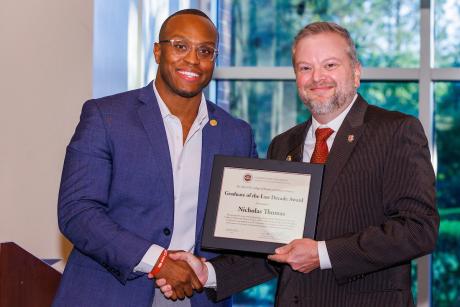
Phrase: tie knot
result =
(323, 133)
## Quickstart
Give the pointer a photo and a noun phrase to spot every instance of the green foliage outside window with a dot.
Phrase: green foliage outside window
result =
(447, 33)
(446, 258)
(262, 31)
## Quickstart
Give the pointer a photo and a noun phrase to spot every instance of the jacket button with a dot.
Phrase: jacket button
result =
(166, 231)
(296, 299)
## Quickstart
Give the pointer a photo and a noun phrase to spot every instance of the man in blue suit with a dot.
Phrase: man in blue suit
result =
(136, 177)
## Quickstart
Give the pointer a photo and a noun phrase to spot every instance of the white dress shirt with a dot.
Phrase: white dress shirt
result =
(186, 165)
(309, 146)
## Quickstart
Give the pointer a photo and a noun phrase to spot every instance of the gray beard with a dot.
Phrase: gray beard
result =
(334, 103)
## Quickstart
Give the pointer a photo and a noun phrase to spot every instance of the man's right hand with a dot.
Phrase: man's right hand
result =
(180, 276)
(198, 266)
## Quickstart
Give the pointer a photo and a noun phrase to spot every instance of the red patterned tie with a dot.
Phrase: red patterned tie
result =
(321, 151)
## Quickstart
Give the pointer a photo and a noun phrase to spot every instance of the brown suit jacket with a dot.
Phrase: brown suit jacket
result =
(377, 213)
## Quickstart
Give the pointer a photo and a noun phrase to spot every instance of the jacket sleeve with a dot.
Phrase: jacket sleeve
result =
(237, 273)
(84, 195)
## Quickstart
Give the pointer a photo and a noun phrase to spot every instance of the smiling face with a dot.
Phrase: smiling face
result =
(326, 77)
(184, 75)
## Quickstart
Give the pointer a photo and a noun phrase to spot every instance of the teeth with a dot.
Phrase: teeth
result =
(188, 73)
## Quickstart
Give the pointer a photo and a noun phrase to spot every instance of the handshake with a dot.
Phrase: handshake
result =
(180, 273)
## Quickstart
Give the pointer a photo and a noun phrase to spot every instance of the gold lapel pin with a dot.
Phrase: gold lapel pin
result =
(351, 138)
(289, 158)
(213, 122)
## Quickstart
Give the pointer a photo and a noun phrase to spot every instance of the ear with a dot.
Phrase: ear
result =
(357, 71)
(157, 52)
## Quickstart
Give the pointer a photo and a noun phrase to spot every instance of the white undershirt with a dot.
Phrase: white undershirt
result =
(309, 146)
(186, 165)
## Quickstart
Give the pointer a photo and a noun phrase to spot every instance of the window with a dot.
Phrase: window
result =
(260, 32)
(447, 33)
(446, 259)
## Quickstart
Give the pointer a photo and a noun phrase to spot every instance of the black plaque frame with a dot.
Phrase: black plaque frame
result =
(211, 242)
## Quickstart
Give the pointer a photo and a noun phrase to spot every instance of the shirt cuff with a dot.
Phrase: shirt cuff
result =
(324, 260)
(150, 258)
(211, 282)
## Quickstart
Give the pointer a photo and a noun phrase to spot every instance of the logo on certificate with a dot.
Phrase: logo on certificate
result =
(247, 177)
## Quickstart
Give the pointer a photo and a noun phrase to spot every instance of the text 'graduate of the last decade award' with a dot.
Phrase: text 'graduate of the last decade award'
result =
(256, 205)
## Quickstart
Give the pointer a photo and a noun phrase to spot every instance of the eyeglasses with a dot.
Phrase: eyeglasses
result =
(182, 48)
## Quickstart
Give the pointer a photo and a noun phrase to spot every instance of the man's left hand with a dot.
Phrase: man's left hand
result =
(301, 255)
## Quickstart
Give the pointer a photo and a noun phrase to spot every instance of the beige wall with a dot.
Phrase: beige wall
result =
(45, 76)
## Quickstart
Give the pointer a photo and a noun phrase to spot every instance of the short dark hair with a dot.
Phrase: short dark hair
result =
(326, 27)
(184, 12)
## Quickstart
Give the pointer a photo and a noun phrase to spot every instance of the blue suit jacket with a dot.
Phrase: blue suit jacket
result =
(116, 197)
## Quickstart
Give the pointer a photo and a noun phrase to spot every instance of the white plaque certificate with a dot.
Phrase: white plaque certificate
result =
(262, 205)
(257, 205)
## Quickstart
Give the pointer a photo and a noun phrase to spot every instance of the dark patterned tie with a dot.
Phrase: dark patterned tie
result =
(321, 151)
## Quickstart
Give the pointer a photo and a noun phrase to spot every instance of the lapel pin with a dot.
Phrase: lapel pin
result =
(213, 122)
(289, 158)
(351, 138)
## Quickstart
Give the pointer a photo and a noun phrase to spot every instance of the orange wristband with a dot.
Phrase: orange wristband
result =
(156, 269)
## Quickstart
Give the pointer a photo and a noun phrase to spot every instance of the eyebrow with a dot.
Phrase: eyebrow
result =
(325, 60)
(181, 37)
(332, 58)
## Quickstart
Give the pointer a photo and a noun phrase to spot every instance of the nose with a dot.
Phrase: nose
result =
(191, 57)
(318, 74)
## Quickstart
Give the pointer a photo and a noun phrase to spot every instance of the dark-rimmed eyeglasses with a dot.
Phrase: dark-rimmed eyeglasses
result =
(182, 47)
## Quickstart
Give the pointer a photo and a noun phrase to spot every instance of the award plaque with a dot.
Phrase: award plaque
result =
(257, 205)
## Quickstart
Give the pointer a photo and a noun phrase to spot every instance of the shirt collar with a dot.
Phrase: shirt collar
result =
(164, 110)
(336, 122)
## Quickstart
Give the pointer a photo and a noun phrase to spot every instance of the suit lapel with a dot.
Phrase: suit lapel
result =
(296, 145)
(345, 141)
(150, 116)
(211, 142)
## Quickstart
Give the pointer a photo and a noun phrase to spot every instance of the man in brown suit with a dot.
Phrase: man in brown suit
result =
(377, 209)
